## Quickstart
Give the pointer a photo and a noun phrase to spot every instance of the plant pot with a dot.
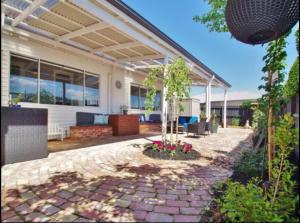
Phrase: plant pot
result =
(15, 106)
(125, 112)
(214, 128)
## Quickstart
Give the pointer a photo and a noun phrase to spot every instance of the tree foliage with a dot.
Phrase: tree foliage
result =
(291, 87)
(214, 19)
(177, 82)
(150, 83)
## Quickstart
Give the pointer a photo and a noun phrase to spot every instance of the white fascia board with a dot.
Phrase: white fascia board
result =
(117, 47)
(30, 9)
(82, 31)
(146, 66)
(101, 14)
(140, 58)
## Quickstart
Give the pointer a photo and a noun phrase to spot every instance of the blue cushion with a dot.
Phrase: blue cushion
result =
(142, 118)
(193, 119)
(105, 119)
(98, 119)
(182, 120)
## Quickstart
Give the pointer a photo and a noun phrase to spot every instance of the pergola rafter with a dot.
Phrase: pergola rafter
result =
(30, 9)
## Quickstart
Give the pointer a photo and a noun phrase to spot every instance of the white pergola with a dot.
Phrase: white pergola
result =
(108, 31)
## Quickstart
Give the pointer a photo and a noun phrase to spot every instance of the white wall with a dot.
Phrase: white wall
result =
(66, 115)
(191, 107)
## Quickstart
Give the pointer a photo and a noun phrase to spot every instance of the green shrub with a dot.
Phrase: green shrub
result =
(235, 121)
(259, 121)
(252, 164)
(248, 203)
(276, 202)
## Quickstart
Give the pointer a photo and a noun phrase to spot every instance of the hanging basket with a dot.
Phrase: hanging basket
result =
(260, 21)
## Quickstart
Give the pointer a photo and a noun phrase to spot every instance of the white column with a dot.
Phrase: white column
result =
(110, 89)
(207, 100)
(2, 16)
(225, 109)
(164, 105)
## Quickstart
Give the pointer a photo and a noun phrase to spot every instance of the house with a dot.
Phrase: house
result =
(233, 104)
(85, 56)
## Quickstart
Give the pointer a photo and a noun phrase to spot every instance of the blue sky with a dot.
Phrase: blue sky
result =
(239, 64)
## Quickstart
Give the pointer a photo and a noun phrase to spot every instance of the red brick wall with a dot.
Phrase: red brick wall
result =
(97, 131)
(150, 127)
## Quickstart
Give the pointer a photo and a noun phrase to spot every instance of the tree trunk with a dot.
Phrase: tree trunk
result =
(270, 130)
(177, 116)
(172, 117)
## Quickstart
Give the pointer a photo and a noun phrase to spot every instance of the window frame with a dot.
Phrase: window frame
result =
(39, 61)
(139, 86)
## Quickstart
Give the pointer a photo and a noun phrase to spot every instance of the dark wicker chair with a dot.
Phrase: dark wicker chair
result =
(197, 128)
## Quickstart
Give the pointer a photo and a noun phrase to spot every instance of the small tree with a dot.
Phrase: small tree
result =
(274, 64)
(177, 83)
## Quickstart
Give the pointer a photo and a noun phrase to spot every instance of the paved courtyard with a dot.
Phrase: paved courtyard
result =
(117, 183)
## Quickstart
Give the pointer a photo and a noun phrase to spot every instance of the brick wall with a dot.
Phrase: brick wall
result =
(150, 127)
(97, 131)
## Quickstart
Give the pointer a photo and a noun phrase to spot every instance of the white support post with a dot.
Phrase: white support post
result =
(164, 106)
(209, 97)
(207, 100)
(2, 16)
(110, 89)
(225, 110)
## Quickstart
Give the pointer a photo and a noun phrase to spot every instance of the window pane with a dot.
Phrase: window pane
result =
(51, 92)
(143, 93)
(157, 101)
(60, 86)
(91, 90)
(23, 79)
(134, 97)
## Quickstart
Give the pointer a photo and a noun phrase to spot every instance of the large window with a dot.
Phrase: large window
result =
(138, 97)
(58, 84)
(24, 79)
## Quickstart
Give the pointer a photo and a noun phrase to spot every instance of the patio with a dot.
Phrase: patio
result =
(116, 182)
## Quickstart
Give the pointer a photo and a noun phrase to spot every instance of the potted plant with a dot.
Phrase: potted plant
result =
(203, 116)
(214, 124)
(13, 103)
(124, 109)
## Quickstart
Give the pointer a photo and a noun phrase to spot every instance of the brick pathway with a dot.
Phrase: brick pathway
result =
(117, 183)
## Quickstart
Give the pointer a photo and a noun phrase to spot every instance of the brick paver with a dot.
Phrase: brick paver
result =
(116, 182)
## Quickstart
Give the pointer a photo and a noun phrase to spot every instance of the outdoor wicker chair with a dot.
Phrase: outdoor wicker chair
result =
(197, 128)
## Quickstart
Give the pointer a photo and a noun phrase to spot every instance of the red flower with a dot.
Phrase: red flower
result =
(157, 143)
(170, 147)
(187, 148)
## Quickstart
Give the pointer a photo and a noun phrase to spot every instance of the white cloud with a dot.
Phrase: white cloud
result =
(234, 95)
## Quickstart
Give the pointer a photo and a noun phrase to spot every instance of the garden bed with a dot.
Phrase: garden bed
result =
(167, 152)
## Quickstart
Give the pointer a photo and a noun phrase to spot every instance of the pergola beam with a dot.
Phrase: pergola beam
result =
(30, 9)
(120, 25)
(82, 31)
(117, 47)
